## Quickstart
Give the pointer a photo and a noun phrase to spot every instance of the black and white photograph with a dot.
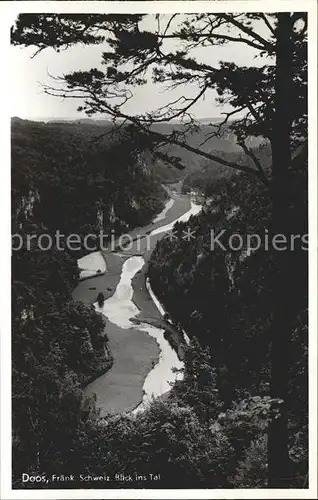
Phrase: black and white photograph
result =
(163, 173)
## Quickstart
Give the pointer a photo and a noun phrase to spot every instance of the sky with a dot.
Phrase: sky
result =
(29, 74)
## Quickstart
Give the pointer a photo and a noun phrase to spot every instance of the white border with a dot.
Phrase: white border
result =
(8, 13)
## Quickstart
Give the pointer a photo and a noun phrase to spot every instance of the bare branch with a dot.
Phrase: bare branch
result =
(103, 106)
(268, 24)
(221, 124)
(256, 161)
(253, 112)
(181, 111)
(217, 36)
(37, 52)
(172, 140)
(236, 39)
(265, 43)
(169, 23)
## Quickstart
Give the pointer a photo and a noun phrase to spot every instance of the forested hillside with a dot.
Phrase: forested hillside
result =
(203, 180)
(210, 138)
(223, 294)
(213, 426)
(232, 281)
(81, 178)
(62, 179)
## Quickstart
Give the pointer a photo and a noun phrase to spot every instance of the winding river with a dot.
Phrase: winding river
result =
(120, 310)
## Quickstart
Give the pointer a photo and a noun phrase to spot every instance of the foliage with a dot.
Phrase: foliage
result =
(59, 173)
(77, 180)
(252, 469)
(205, 179)
(223, 297)
(249, 307)
(198, 388)
(100, 299)
(167, 440)
(138, 50)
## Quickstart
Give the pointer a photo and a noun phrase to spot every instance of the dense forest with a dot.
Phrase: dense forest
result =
(223, 296)
(238, 418)
(61, 175)
(83, 171)
(213, 425)
(203, 180)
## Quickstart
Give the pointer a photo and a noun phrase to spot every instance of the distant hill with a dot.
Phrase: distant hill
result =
(64, 120)
(87, 129)
(208, 121)
(101, 121)
(84, 121)
(203, 138)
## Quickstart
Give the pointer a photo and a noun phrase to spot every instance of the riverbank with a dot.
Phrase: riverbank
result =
(135, 352)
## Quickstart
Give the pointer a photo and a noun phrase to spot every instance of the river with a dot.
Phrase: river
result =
(120, 309)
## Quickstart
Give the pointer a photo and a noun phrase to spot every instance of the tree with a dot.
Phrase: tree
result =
(249, 89)
(260, 98)
(198, 388)
(97, 178)
(100, 299)
(166, 439)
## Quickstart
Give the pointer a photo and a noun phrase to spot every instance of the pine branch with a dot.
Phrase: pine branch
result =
(266, 45)
(217, 36)
(143, 125)
(256, 161)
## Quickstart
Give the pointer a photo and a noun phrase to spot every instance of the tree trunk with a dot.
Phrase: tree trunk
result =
(278, 459)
